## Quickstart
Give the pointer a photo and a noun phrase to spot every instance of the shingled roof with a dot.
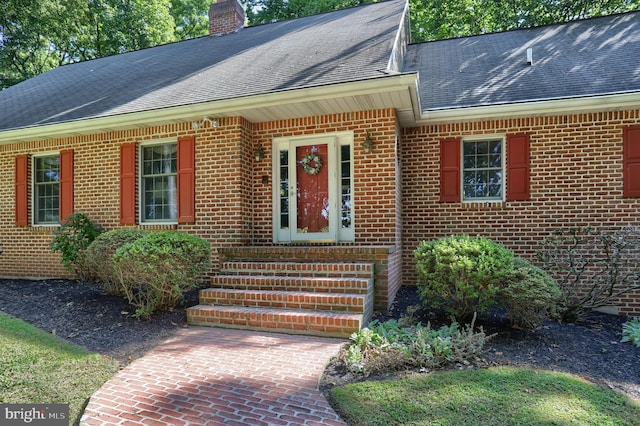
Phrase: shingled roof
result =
(587, 58)
(347, 45)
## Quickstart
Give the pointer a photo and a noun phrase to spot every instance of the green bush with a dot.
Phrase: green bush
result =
(157, 269)
(530, 296)
(387, 346)
(631, 331)
(99, 257)
(72, 239)
(462, 274)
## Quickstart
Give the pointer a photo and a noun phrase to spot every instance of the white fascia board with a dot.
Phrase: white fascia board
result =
(224, 107)
(596, 103)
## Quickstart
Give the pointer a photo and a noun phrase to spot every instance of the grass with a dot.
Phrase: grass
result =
(495, 396)
(39, 368)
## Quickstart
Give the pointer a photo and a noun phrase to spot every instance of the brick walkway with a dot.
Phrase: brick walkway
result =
(220, 376)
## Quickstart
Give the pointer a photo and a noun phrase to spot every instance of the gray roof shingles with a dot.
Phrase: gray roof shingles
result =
(584, 58)
(347, 45)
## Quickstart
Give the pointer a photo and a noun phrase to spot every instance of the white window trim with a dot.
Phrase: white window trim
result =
(141, 146)
(479, 138)
(33, 189)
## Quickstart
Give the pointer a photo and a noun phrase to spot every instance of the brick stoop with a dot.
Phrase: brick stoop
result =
(315, 298)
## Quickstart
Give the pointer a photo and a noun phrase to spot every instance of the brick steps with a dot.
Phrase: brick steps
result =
(302, 284)
(299, 269)
(284, 299)
(321, 298)
(318, 323)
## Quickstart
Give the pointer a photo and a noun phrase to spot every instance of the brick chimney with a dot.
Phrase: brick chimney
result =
(225, 16)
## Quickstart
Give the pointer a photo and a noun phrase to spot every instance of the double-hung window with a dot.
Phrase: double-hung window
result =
(483, 169)
(46, 189)
(159, 182)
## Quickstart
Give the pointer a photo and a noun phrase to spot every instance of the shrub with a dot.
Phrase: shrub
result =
(631, 331)
(591, 267)
(388, 346)
(156, 269)
(462, 274)
(72, 239)
(99, 257)
(530, 296)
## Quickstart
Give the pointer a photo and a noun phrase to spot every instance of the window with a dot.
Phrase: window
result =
(483, 169)
(157, 182)
(46, 190)
(159, 165)
(346, 213)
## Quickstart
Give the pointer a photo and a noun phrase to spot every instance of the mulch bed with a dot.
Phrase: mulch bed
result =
(81, 313)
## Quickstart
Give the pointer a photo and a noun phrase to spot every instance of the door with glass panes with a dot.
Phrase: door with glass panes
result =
(313, 189)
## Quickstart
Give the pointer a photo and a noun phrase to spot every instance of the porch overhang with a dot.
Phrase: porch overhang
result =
(399, 91)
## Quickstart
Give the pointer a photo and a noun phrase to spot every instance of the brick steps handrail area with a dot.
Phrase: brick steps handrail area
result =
(321, 298)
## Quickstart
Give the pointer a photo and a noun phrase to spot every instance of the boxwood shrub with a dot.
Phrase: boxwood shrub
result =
(99, 257)
(530, 296)
(158, 268)
(462, 274)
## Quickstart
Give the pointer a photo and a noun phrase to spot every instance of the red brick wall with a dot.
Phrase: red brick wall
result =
(575, 180)
(222, 190)
(233, 205)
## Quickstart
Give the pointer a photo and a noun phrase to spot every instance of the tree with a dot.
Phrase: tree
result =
(265, 11)
(191, 18)
(38, 35)
(31, 32)
(438, 19)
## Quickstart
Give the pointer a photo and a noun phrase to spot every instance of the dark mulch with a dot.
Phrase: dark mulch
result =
(82, 314)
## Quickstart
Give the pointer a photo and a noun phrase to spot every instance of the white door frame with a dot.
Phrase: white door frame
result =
(286, 199)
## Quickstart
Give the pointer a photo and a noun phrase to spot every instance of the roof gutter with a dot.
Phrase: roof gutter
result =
(225, 107)
(546, 107)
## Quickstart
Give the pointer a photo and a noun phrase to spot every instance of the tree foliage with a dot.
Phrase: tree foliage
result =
(38, 35)
(265, 11)
(439, 19)
(190, 17)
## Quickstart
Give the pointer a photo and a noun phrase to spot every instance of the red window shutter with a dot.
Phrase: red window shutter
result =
(128, 184)
(66, 184)
(631, 161)
(518, 167)
(450, 170)
(22, 188)
(186, 180)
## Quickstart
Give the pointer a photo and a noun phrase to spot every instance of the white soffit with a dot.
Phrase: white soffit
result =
(396, 91)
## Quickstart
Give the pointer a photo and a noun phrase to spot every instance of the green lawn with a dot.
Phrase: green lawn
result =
(495, 396)
(37, 367)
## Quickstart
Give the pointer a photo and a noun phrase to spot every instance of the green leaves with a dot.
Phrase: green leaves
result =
(156, 269)
(438, 19)
(38, 35)
(461, 273)
(72, 240)
(631, 331)
(389, 346)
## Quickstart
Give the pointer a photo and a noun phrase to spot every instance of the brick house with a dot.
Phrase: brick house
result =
(314, 154)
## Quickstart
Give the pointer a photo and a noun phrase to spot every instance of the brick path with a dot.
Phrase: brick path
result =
(220, 376)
